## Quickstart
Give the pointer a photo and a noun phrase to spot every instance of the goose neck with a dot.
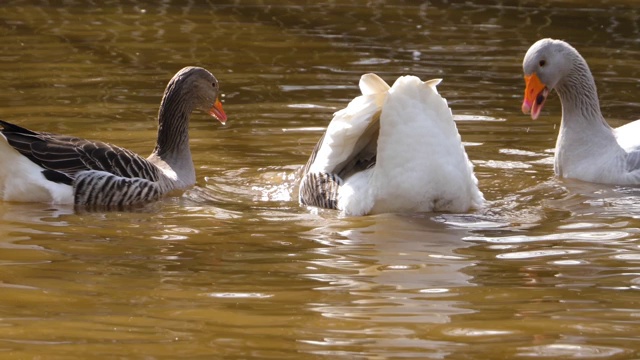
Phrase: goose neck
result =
(579, 98)
(173, 128)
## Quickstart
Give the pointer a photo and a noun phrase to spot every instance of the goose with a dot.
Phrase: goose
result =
(587, 148)
(391, 150)
(61, 169)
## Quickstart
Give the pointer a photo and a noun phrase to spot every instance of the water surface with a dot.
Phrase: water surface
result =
(235, 269)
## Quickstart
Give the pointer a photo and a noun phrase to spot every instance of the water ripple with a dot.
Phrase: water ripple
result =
(595, 236)
(571, 351)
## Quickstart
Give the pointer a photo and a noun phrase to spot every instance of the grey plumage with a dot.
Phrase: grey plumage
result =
(321, 189)
(101, 188)
(68, 155)
(102, 174)
(587, 147)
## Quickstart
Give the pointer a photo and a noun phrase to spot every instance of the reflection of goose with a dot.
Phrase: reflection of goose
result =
(391, 150)
(44, 167)
(587, 147)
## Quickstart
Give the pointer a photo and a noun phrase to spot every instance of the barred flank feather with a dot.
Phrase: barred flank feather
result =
(391, 150)
(66, 169)
(93, 188)
(320, 190)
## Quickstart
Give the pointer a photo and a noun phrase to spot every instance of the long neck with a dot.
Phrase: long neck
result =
(579, 98)
(173, 128)
(584, 134)
(172, 153)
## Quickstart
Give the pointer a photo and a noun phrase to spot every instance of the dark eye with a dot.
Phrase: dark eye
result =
(215, 85)
(542, 63)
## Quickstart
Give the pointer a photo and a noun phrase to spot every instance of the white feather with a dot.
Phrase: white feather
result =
(421, 163)
(628, 136)
(350, 123)
(356, 196)
(22, 180)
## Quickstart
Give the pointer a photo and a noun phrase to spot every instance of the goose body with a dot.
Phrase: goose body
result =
(61, 169)
(392, 149)
(587, 148)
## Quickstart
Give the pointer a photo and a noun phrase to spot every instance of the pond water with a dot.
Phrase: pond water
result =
(235, 269)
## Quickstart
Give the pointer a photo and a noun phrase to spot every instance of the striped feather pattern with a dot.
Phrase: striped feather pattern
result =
(320, 190)
(105, 189)
(391, 150)
(348, 146)
(67, 169)
(71, 155)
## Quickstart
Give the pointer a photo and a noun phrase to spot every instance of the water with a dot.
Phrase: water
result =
(235, 269)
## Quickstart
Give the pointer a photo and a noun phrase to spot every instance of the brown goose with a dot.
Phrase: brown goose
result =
(61, 169)
(587, 148)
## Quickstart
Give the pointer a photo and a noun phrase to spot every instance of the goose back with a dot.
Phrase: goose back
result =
(63, 157)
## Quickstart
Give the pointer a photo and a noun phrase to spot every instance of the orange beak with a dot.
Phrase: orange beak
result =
(535, 94)
(217, 112)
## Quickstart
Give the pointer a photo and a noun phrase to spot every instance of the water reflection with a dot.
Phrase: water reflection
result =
(235, 268)
(401, 255)
(399, 271)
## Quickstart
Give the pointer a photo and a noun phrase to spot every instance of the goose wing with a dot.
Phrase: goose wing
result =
(63, 157)
(348, 146)
(628, 137)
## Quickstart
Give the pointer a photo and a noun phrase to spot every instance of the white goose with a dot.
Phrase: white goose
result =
(391, 150)
(587, 148)
(44, 167)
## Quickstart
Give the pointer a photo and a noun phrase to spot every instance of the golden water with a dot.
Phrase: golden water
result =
(235, 269)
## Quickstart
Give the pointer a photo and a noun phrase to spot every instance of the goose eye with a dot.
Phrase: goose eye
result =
(214, 85)
(542, 63)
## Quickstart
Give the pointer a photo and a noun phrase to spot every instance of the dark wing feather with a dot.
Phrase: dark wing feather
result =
(320, 190)
(53, 152)
(70, 155)
(314, 153)
(363, 160)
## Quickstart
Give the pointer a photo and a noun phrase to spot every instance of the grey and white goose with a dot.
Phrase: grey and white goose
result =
(392, 149)
(61, 169)
(588, 148)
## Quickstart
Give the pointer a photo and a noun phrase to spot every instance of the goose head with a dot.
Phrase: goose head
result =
(200, 89)
(546, 65)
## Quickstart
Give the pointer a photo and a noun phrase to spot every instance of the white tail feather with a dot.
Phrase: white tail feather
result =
(351, 123)
(371, 84)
